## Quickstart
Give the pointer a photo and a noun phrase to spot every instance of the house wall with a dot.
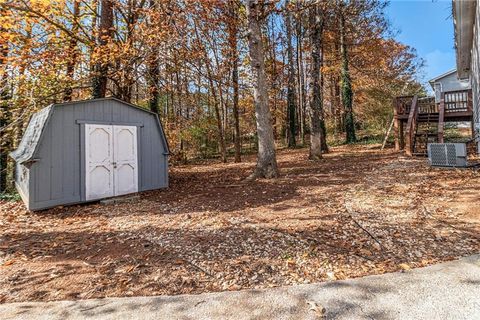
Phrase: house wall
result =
(475, 77)
(58, 177)
(449, 83)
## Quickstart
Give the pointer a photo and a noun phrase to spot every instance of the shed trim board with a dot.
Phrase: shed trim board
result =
(22, 195)
(110, 123)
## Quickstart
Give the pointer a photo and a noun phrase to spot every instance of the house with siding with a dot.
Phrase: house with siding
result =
(466, 16)
(420, 121)
(448, 82)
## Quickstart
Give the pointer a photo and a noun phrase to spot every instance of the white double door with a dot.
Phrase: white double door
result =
(111, 160)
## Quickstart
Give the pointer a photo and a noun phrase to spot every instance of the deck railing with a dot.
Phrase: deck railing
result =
(455, 102)
(427, 105)
(402, 105)
(458, 101)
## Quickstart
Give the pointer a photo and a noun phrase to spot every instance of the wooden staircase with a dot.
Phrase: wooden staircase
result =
(425, 125)
(420, 121)
(426, 132)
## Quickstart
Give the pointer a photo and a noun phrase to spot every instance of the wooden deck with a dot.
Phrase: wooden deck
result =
(413, 114)
(458, 105)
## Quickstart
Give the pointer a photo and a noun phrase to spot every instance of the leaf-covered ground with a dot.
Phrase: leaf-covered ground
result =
(357, 212)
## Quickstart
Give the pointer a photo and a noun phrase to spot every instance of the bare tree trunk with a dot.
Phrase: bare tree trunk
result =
(221, 136)
(323, 136)
(266, 159)
(152, 81)
(72, 52)
(316, 103)
(346, 83)
(233, 34)
(300, 78)
(216, 100)
(273, 57)
(106, 30)
(94, 35)
(4, 113)
(291, 99)
(338, 105)
(129, 66)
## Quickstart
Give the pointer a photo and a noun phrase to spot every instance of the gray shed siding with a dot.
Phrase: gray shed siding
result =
(22, 179)
(58, 177)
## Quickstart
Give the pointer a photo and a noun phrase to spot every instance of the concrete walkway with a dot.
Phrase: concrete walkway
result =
(444, 291)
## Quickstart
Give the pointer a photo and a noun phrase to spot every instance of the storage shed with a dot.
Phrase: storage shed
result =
(82, 151)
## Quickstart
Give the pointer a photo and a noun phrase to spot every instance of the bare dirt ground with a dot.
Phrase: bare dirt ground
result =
(360, 211)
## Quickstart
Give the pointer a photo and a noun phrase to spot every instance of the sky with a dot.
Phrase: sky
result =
(427, 26)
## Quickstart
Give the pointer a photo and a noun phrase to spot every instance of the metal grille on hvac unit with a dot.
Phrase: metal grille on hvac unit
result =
(447, 154)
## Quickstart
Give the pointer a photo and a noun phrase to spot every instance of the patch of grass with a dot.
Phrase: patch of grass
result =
(10, 196)
(364, 137)
(286, 256)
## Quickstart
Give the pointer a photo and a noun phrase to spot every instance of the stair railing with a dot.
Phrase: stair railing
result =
(411, 124)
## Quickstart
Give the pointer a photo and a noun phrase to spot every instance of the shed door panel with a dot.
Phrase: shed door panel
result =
(99, 180)
(125, 163)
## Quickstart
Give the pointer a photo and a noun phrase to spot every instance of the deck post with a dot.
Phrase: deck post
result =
(411, 124)
(441, 118)
(402, 135)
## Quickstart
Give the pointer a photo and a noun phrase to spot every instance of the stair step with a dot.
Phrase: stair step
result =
(430, 134)
(423, 154)
(428, 119)
(428, 115)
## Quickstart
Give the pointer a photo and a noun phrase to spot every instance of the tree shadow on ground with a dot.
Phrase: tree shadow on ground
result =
(221, 188)
(206, 226)
(195, 260)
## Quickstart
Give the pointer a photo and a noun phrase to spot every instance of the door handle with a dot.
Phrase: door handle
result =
(114, 165)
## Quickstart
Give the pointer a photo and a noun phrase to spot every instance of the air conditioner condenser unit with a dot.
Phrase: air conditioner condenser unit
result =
(447, 154)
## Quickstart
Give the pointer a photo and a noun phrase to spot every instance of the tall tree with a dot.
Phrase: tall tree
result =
(266, 157)
(291, 98)
(4, 110)
(153, 82)
(233, 23)
(72, 52)
(100, 79)
(153, 68)
(346, 81)
(300, 74)
(148, 51)
(316, 99)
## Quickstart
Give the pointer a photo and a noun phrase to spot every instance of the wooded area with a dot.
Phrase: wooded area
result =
(225, 77)
(266, 179)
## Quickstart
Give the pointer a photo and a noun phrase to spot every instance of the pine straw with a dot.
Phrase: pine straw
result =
(355, 213)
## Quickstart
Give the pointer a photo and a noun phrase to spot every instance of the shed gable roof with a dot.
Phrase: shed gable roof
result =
(32, 136)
